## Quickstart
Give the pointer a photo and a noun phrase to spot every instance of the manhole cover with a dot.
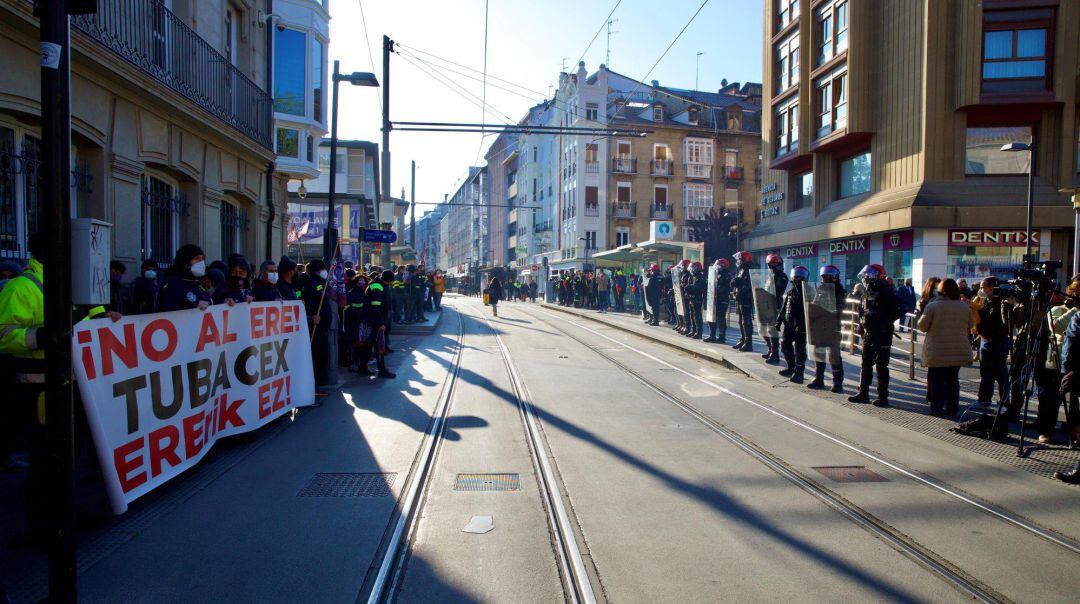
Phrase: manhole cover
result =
(850, 474)
(487, 482)
(349, 485)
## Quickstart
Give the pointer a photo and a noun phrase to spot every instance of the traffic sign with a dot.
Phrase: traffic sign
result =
(377, 236)
(534, 267)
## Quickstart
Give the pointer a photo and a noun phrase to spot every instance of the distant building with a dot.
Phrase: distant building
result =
(466, 238)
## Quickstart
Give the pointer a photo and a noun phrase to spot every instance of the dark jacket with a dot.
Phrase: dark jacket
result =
(144, 296)
(994, 320)
(230, 291)
(653, 289)
(791, 319)
(290, 291)
(695, 287)
(879, 309)
(780, 281)
(722, 290)
(356, 313)
(742, 287)
(312, 296)
(378, 305)
(495, 291)
(179, 293)
(264, 291)
(1070, 354)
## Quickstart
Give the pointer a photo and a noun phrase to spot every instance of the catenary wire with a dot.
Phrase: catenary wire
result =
(367, 44)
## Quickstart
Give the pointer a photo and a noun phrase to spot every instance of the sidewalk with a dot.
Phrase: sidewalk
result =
(907, 396)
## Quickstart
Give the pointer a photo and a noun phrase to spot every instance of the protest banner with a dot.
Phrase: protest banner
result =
(159, 390)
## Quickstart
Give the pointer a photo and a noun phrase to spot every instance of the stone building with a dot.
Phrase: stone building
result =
(171, 127)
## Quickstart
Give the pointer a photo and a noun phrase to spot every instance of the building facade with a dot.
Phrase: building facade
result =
(886, 122)
(301, 39)
(465, 239)
(172, 150)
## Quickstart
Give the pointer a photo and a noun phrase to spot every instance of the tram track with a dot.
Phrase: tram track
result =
(899, 541)
(397, 550)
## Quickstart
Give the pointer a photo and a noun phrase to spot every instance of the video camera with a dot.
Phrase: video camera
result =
(1043, 278)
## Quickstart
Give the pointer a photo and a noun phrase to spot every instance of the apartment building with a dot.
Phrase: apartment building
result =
(538, 175)
(465, 238)
(502, 165)
(301, 39)
(355, 196)
(171, 127)
(887, 119)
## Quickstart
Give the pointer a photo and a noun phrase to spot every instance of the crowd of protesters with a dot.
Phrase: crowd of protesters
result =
(960, 326)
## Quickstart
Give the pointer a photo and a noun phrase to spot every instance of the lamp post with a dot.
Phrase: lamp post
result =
(356, 78)
(1030, 148)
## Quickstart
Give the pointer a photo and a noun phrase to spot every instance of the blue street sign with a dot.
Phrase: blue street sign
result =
(377, 236)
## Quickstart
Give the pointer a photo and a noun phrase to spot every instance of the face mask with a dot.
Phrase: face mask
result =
(150, 275)
(272, 278)
(323, 274)
(982, 293)
(199, 268)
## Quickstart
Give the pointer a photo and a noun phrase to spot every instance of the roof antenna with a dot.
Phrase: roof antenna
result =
(609, 32)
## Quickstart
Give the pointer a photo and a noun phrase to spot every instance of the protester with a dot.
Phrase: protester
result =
(236, 289)
(288, 283)
(378, 318)
(965, 292)
(144, 290)
(320, 313)
(357, 325)
(929, 291)
(117, 288)
(602, 286)
(265, 288)
(947, 321)
(9, 269)
(182, 288)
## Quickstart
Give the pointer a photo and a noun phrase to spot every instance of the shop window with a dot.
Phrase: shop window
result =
(983, 154)
(163, 208)
(855, 175)
(1017, 50)
(897, 265)
(831, 93)
(787, 63)
(802, 191)
(290, 59)
(288, 142)
(787, 129)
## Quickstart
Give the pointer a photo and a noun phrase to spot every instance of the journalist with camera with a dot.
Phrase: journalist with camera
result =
(994, 305)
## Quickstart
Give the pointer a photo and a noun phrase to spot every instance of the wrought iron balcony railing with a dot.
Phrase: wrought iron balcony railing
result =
(592, 209)
(624, 165)
(733, 172)
(660, 211)
(662, 167)
(624, 209)
(148, 35)
(592, 167)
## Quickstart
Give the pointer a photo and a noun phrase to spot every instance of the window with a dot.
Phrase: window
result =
(824, 21)
(983, 154)
(591, 111)
(290, 57)
(317, 61)
(162, 210)
(622, 192)
(831, 94)
(622, 236)
(288, 142)
(786, 12)
(787, 129)
(787, 63)
(697, 199)
(803, 189)
(1016, 50)
(20, 209)
(590, 240)
(324, 160)
(660, 195)
(592, 195)
(231, 37)
(693, 115)
(622, 149)
(831, 30)
(731, 158)
(234, 224)
(855, 175)
(658, 113)
(310, 148)
(699, 151)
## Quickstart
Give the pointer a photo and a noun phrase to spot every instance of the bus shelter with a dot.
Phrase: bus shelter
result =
(636, 257)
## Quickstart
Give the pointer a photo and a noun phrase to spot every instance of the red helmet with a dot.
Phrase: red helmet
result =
(742, 257)
(685, 263)
(773, 259)
(873, 271)
(654, 267)
(723, 263)
(695, 266)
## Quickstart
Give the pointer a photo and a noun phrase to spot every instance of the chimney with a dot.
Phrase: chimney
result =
(656, 83)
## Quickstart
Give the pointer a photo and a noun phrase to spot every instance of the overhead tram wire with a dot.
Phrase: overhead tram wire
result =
(460, 90)
(601, 28)
(483, 110)
(367, 44)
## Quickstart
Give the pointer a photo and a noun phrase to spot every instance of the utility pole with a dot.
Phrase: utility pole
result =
(387, 48)
(607, 61)
(412, 210)
(330, 234)
(697, 70)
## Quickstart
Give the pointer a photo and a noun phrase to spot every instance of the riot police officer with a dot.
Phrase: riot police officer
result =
(791, 322)
(829, 328)
(780, 283)
(879, 309)
(682, 324)
(743, 290)
(721, 295)
(652, 295)
(695, 296)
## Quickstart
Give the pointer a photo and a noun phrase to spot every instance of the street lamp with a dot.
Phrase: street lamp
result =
(356, 78)
(1030, 148)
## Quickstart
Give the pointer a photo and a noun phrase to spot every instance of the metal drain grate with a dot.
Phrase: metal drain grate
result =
(349, 485)
(850, 474)
(487, 482)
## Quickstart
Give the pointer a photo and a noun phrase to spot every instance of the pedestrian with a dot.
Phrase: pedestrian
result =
(602, 286)
(144, 290)
(779, 285)
(791, 323)
(438, 288)
(619, 285)
(319, 308)
(743, 291)
(117, 288)
(182, 288)
(878, 311)
(378, 318)
(721, 297)
(824, 317)
(905, 294)
(495, 293)
(929, 292)
(532, 291)
(265, 288)
(947, 322)
(1061, 317)
(995, 317)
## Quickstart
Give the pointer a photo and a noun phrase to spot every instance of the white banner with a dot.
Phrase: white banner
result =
(159, 390)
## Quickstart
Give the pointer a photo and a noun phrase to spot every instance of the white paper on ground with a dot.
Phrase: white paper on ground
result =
(479, 525)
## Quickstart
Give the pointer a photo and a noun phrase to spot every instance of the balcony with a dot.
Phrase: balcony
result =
(703, 171)
(660, 211)
(592, 209)
(542, 227)
(733, 173)
(661, 167)
(152, 38)
(624, 209)
(623, 165)
(592, 167)
(512, 190)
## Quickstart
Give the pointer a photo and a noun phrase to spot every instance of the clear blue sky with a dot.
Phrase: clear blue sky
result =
(528, 41)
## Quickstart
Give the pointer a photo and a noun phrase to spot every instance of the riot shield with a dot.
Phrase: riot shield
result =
(680, 304)
(822, 314)
(765, 306)
(709, 313)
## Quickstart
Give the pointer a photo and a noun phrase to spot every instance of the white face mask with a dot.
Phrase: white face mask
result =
(323, 274)
(981, 294)
(150, 274)
(271, 277)
(199, 268)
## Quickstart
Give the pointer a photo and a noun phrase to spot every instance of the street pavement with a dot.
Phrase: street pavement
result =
(664, 506)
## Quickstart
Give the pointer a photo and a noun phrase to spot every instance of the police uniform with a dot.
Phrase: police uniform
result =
(780, 284)
(695, 296)
(721, 297)
(742, 288)
(878, 311)
(830, 353)
(181, 293)
(791, 322)
(377, 316)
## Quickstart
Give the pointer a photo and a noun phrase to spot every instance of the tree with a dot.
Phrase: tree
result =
(718, 230)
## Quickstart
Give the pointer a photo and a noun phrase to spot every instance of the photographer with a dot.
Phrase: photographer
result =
(995, 316)
(1063, 319)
